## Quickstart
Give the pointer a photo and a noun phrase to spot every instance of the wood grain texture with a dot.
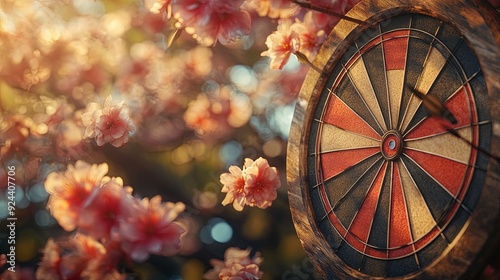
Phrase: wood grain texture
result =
(479, 24)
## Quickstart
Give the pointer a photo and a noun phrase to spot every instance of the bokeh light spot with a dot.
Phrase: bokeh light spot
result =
(24, 203)
(18, 195)
(43, 218)
(205, 235)
(292, 65)
(221, 232)
(3, 209)
(37, 193)
(280, 119)
(181, 155)
(94, 8)
(230, 152)
(243, 77)
(193, 269)
(272, 148)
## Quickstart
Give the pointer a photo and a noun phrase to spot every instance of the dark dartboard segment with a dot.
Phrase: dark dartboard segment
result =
(379, 226)
(414, 64)
(351, 186)
(392, 216)
(374, 62)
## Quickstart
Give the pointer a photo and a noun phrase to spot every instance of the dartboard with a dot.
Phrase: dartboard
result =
(391, 161)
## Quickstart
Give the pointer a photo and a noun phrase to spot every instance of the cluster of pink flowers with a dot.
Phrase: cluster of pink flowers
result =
(111, 224)
(60, 65)
(83, 258)
(254, 185)
(305, 36)
(111, 124)
(282, 43)
(237, 264)
(212, 21)
(207, 21)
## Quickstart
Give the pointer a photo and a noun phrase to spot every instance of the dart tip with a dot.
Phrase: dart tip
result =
(447, 115)
(416, 92)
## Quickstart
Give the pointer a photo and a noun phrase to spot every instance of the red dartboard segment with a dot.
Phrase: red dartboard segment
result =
(449, 173)
(361, 225)
(399, 231)
(341, 115)
(395, 48)
(334, 163)
(359, 230)
(458, 103)
(467, 178)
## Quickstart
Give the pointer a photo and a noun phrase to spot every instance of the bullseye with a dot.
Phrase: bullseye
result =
(391, 145)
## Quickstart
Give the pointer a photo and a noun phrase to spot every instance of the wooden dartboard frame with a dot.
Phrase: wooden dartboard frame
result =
(479, 24)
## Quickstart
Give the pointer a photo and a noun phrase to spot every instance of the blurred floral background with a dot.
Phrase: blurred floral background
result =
(164, 97)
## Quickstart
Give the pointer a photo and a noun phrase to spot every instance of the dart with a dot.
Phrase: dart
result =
(303, 58)
(437, 109)
(434, 106)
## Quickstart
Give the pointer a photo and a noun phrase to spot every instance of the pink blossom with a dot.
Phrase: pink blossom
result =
(111, 124)
(281, 44)
(70, 189)
(104, 208)
(234, 185)
(209, 21)
(236, 265)
(255, 185)
(82, 257)
(88, 259)
(89, 119)
(311, 35)
(150, 228)
(261, 183)
(51, 261)
(226, 25)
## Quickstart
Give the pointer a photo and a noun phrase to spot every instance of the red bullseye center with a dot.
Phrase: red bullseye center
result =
(391, 145)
